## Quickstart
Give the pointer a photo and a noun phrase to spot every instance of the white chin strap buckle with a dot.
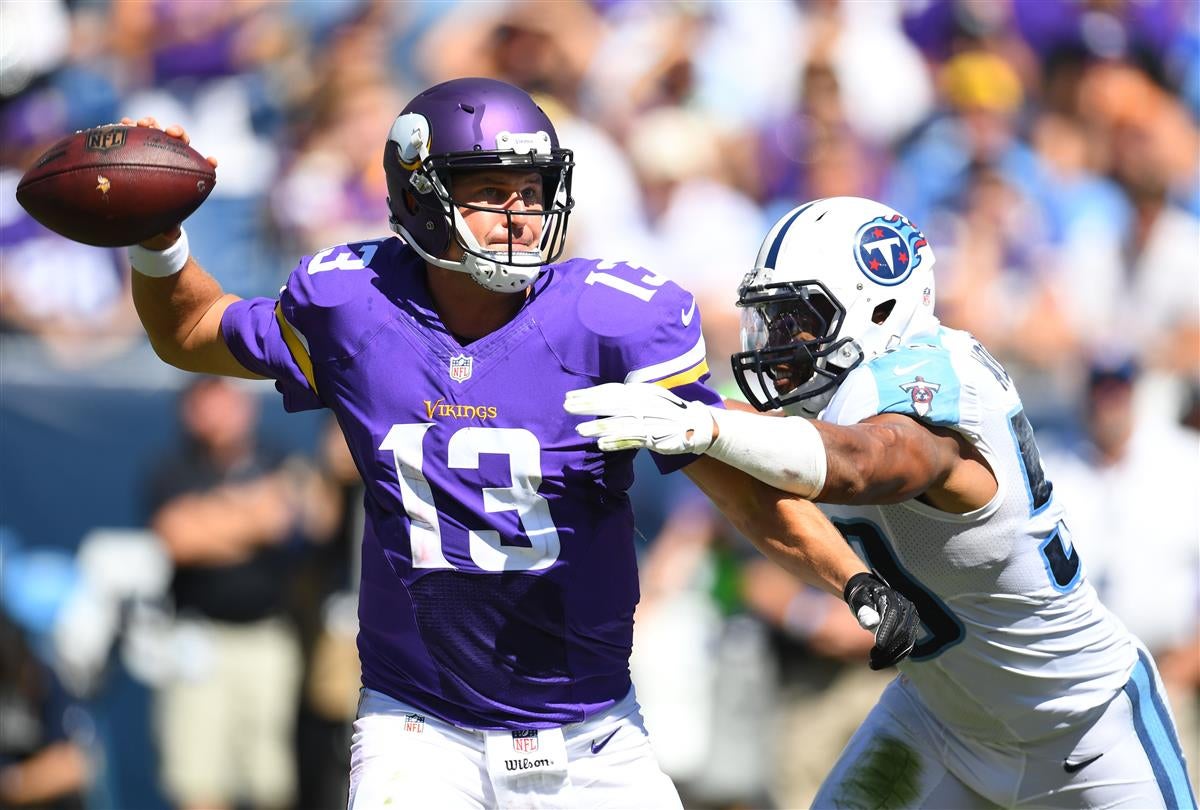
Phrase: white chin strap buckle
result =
(499, 277)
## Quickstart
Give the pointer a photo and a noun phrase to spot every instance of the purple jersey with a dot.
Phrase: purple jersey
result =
(498, 569)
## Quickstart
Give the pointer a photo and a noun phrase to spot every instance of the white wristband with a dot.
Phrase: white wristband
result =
(161, 263)
(787, 453)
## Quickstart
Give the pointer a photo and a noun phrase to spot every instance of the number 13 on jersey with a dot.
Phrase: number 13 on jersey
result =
(487, 548)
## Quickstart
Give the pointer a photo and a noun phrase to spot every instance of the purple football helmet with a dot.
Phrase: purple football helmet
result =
(471, 124)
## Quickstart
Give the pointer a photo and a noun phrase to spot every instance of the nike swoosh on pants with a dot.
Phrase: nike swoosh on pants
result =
(596, 747)
(1074, 767)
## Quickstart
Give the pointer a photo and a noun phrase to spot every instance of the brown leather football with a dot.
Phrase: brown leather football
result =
(115, 185)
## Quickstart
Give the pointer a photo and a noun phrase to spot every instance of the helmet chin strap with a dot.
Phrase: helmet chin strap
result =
(809, 408)
(500, 277)
(490, 274)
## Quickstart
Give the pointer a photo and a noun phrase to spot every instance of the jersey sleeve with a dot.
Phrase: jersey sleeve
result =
(323, 314)
(656, 338)
(671, 355)
(917, 381)
(262, 335)
(684, 369)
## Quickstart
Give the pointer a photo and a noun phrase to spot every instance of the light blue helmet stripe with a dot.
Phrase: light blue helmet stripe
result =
(773, 254)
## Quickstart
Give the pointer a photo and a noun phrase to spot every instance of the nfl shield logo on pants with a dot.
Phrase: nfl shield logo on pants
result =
(526, 740)
(460, 368)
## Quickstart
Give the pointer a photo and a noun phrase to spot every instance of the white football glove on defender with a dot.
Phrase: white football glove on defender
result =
(642, 415)
(788, 453)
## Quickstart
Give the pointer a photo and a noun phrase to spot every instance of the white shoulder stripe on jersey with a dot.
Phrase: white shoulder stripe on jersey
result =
(667, 368)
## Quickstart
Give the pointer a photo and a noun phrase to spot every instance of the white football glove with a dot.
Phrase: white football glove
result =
(641, 415)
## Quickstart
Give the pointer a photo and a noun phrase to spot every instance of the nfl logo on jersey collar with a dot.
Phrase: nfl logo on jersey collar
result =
(887, 249)
(460, 368)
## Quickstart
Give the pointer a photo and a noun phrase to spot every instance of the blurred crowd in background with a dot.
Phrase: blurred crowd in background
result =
(1049, 149)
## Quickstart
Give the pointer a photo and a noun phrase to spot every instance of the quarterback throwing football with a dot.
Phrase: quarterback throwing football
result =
(498, 571)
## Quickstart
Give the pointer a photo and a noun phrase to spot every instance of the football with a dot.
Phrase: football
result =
(115, 185)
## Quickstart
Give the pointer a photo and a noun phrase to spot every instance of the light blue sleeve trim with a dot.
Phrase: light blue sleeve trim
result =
(919, 381)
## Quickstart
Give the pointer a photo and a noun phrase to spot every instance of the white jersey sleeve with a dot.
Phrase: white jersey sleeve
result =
(918, 380)
(1015, 641)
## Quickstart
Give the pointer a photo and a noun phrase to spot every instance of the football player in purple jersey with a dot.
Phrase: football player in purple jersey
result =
(498, 570)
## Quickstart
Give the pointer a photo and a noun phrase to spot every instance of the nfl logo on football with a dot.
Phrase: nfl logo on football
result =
(460, 368)
(525, 740)
(105, 138)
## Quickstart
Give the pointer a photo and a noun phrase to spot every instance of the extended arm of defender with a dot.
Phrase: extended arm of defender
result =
(795, 535)
(885, 459)
(790, 531)
(888, 458)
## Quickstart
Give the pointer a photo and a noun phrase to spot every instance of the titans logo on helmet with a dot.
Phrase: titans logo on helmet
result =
(887, 249)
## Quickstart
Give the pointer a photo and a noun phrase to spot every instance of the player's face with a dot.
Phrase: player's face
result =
(796, 322)
(507, 194)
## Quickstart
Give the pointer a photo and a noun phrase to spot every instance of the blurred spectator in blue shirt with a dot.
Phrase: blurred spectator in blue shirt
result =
(978, 126)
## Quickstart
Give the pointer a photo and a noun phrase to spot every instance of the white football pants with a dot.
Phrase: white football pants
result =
(1128, 756)
(401, 757)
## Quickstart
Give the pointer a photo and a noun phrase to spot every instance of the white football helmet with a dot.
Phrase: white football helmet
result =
(837, 282)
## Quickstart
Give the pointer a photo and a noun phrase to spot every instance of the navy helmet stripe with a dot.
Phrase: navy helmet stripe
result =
(773, 254)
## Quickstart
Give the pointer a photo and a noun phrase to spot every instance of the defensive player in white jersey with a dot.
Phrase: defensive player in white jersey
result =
(1023, 691)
